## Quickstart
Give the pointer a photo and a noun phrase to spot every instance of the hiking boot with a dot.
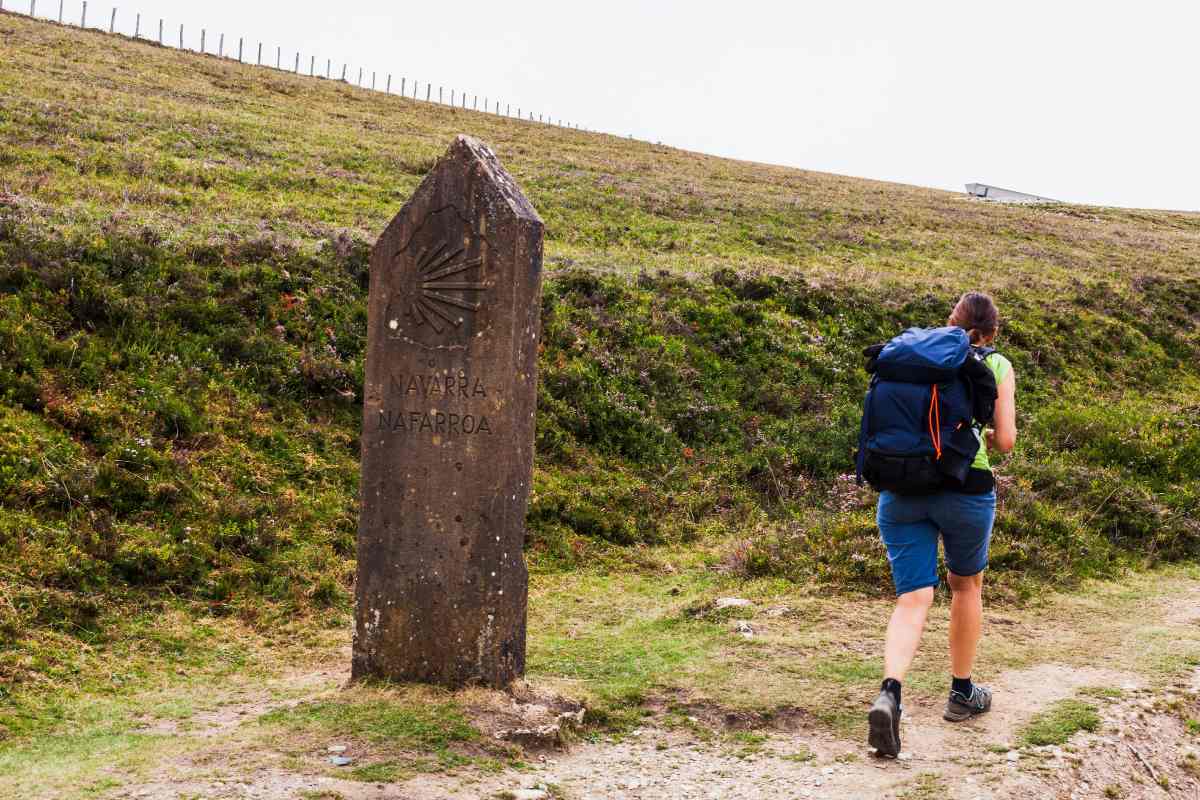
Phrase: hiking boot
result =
(884, 721)
(960, 706)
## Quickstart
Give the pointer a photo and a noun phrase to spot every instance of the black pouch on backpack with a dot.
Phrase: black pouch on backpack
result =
(903, 474)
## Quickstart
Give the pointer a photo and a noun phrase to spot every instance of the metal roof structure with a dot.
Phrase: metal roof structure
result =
(999, 195)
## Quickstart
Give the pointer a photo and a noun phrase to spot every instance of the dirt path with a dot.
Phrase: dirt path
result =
(969, 759)
(1143, 747)
(941, 760)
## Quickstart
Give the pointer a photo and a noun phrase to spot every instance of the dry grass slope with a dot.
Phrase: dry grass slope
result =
(207, 147)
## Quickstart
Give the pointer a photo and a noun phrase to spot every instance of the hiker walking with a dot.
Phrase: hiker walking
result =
(924, 445)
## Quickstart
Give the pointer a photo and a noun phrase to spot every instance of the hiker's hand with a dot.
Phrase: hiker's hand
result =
(989, 436)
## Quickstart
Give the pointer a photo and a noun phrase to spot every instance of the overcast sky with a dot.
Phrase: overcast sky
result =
(1082, 101)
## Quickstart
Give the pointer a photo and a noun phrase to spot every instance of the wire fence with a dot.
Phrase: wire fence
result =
(412, 89)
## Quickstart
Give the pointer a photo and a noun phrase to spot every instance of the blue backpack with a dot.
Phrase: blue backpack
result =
(929, 389)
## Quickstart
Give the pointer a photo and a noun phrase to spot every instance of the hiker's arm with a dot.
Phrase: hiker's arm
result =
(1004, 435)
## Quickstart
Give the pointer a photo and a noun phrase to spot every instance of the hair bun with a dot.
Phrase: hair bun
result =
(976, 313)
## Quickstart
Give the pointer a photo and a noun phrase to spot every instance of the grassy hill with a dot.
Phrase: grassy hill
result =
(183, 270)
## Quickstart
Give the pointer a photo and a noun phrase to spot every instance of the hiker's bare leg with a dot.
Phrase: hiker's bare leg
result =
(904, 631)
(966, 621)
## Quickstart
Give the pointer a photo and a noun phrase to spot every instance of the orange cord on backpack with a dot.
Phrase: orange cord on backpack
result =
(935, 423)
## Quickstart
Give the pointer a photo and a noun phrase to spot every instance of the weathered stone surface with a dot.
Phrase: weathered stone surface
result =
(447, 441)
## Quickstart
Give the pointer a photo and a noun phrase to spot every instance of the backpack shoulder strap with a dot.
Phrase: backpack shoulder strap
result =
(981, 385)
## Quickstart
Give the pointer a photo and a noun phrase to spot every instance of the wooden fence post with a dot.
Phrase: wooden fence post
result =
(278, 57)
(328, 68)
(428, 89)
(160, 31)
(360, 76)
(260, 54)
(60, 10)
(221, 46)
(312, 66)
(32, 7)
(403, 81)
(112, 22)
(372, 80)
(451, 95)
(83, 16)
(389, 84)
(297, 62)
(137, 27)
(181, 37)
(202, 35)
(241, 44)
(343, 73)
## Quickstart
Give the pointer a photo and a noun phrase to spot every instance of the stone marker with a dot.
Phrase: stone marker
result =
(447, 440)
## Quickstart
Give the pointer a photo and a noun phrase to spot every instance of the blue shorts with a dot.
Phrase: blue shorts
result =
(910, 526)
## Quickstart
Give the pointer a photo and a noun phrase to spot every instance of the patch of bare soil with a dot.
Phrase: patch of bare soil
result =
(263, 784)
(250, 703)
(717, 717)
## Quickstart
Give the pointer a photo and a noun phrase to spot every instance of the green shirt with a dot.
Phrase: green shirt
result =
(1000, 367)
